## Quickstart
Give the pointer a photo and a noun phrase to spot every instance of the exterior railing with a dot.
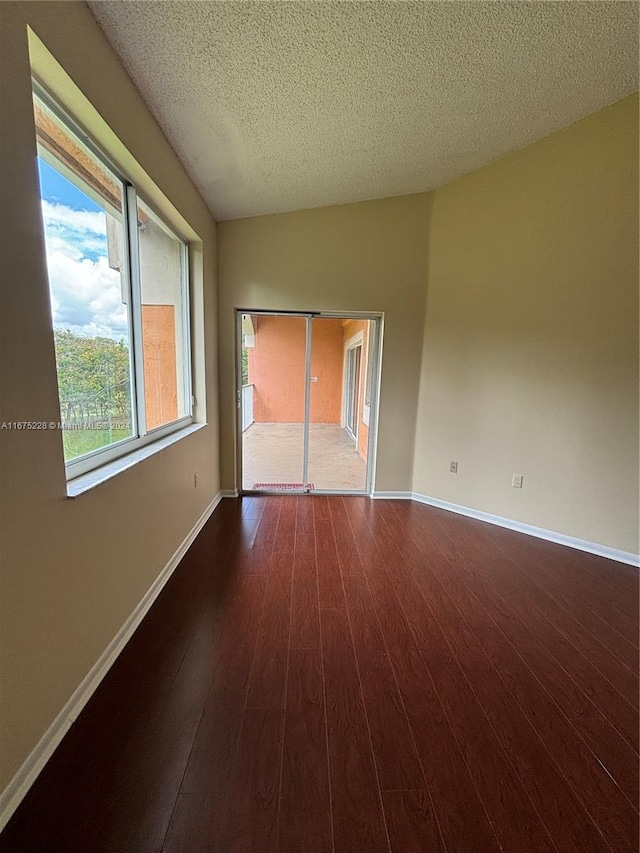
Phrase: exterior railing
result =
(247, 406)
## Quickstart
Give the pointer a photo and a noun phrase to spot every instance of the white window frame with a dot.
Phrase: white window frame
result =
(369, 378)
(131, 275)
(354, 342)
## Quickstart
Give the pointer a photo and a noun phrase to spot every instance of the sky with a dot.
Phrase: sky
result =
(85, 292)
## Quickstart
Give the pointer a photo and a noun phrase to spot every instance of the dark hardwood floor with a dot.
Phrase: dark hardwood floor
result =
(340, 674)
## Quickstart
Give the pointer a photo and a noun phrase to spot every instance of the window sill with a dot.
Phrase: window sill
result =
(86, 482)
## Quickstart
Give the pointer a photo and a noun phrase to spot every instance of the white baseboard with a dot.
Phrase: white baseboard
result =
(229, 493)
(539, 532)
(392, 496)
(16, 790)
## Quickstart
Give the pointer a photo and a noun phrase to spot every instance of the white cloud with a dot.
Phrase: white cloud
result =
(86, 294)
(61, 216)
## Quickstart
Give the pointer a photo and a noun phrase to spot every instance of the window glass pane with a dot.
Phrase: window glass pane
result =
(82, 207)
(163, 333)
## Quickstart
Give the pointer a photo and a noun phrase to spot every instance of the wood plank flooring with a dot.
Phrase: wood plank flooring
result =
(341, 675)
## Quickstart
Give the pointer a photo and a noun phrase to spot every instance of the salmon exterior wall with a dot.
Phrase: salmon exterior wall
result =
(276, 369)
(159, 358)
(326, 366)
(277, 365)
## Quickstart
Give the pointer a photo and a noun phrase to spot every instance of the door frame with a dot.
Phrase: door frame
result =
(377, 317)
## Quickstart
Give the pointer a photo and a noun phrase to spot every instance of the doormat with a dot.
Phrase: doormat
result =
(280, 487)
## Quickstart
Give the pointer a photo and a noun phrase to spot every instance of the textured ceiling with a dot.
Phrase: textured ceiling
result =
(277, 106)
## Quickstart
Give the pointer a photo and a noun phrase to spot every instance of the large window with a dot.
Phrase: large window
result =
(119, 300)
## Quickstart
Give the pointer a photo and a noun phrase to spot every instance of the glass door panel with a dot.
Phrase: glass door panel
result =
(272, 401)
(338, 436)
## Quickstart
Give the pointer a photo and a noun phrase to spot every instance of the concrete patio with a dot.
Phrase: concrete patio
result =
(273, 453)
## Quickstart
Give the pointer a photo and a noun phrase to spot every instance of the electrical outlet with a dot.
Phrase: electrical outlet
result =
(453, 467)
(517, 481)
(196, 478)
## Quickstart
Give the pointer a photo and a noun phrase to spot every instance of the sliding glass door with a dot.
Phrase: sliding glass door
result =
(305, 401)
(272, 401)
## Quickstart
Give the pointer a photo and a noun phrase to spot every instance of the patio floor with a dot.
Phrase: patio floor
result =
(272, 453)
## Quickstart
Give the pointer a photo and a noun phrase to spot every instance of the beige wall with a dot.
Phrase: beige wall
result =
(370, 256)
(530, 362)
(73, 570)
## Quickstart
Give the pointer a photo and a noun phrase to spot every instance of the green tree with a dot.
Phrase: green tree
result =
(93, 377)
